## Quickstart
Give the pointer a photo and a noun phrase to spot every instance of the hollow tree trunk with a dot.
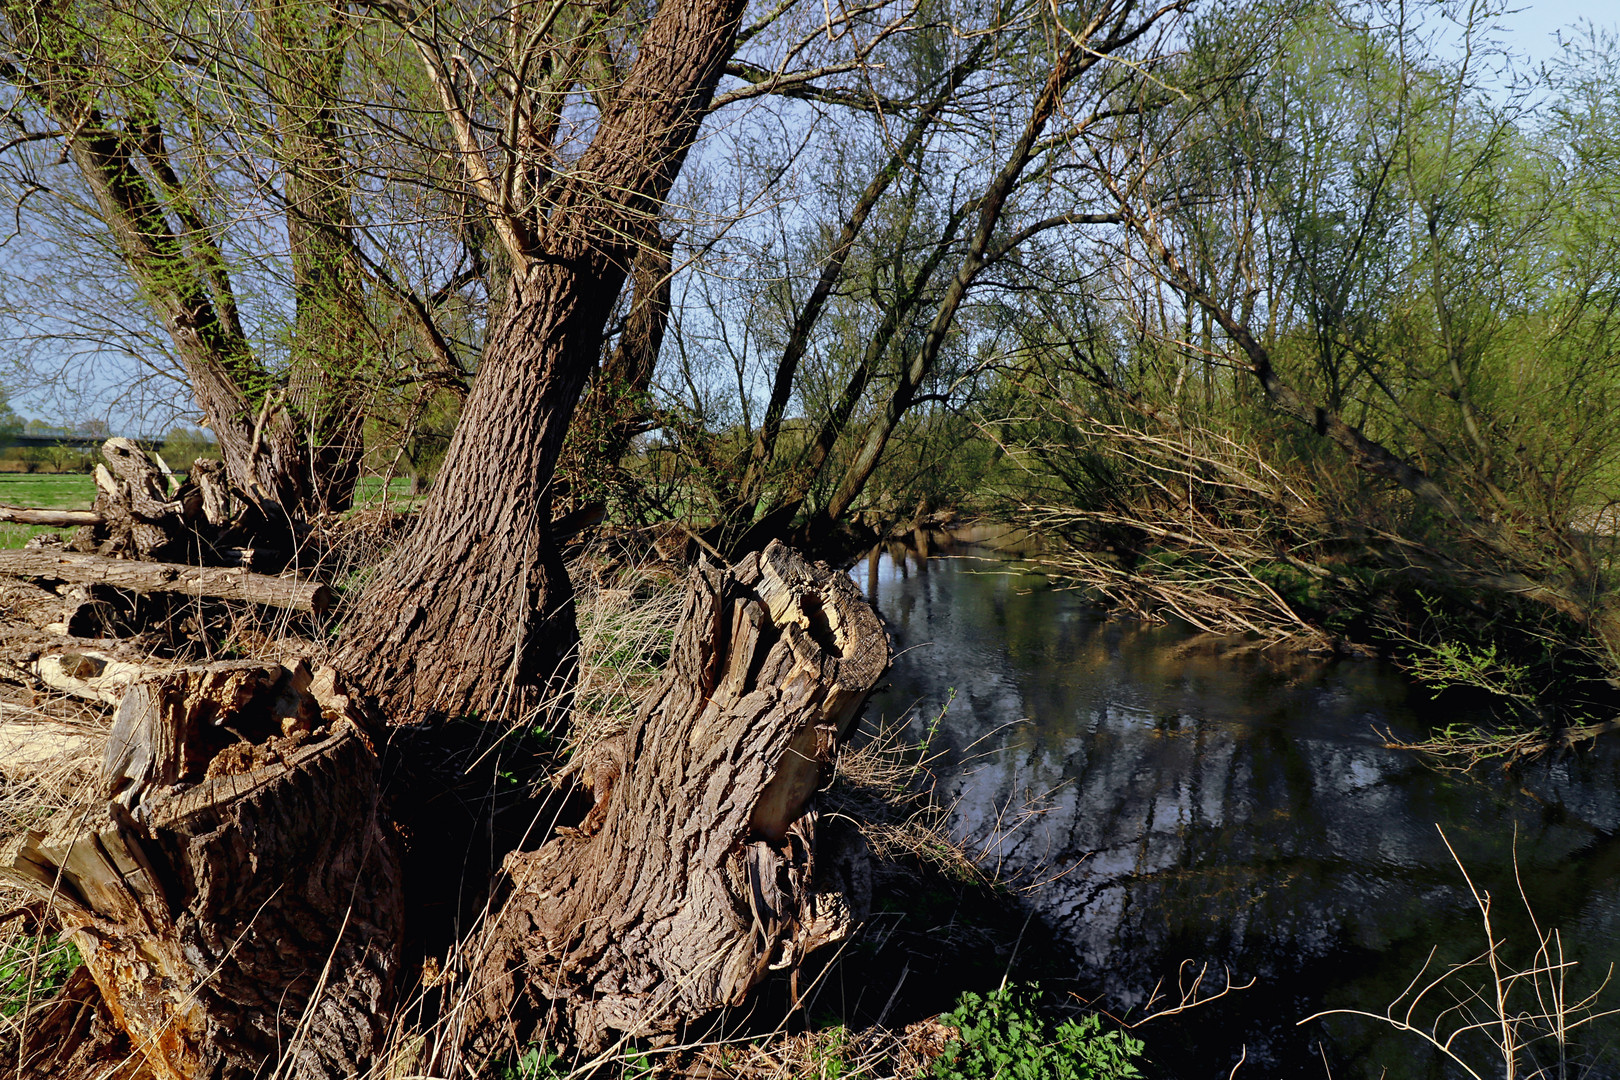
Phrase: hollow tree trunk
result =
(699, 869)
(474, 613)
(234, 890)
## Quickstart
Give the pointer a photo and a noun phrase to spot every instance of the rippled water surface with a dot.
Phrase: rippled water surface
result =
(1188, 798)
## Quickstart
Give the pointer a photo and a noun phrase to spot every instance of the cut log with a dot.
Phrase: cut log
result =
(224, 582)
(30, 745)
(88, 674)
(70, 610)
(27, 515)
(699, 869)
(235, 893)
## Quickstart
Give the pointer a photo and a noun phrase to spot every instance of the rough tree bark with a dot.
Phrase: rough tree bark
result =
(618, 405)
(699, 869)
(237, 888)
(474, 612)
(306, 46)
(235, 891)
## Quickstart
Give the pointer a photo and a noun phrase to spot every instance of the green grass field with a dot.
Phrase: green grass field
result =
(76, 491)
(67, 491)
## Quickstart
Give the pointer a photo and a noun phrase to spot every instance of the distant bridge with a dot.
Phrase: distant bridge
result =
(77, 442)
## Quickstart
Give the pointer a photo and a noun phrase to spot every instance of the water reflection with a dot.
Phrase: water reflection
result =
(1189, 797)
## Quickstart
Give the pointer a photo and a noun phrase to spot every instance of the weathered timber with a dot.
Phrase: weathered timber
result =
(214, 490)
(28, 515)
(89, 674)
(75, 1037)
(226, 583)
(141, 510)
(699, 868)
(235, 892)
(32, 744)
(70, 610)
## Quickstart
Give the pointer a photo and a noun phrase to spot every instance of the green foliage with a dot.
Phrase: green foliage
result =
(182, 446)
(10, 422)
(1456, 663)
(1004, 1036)
(826, 1056)
(539, 1063)
(32, 968)
(535, 1063)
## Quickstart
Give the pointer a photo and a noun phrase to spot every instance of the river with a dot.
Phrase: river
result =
(1176, 797)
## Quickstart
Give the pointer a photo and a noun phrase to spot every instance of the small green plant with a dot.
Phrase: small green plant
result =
(637, 1065)
(32, 969)
(1004, 1036)
(826, 1055)
(536, 1063)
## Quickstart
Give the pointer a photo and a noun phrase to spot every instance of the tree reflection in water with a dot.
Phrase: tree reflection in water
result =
(1203, 799)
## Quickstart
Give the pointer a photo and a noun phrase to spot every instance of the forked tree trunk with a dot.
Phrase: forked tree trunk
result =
(474, 613)
(699, 869)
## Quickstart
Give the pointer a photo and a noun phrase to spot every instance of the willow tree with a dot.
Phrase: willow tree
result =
(213, 197)
(474, 613)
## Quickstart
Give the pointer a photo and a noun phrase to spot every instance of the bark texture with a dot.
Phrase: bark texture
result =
(69, 610)
(699, 868)
(235, 893)
(474, 614)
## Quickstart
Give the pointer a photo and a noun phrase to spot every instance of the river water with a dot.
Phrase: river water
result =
(1172, 798)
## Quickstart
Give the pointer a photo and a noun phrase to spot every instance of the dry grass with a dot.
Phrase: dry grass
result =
(65, 738)
(885, 785)
(626, 628)
(626, 621)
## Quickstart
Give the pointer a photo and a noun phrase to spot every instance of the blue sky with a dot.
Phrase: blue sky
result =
(1533, 26)
(1531, 30)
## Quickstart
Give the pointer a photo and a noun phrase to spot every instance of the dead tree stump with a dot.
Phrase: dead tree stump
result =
(699, 868)
(236, 894)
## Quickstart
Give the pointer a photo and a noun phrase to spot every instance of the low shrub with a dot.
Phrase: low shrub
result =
(1004, 1036)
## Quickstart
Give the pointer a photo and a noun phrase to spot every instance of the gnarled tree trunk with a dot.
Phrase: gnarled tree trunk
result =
(699, 868)
(238, 895)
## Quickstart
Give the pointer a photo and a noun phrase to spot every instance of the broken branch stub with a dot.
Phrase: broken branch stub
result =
(700, 868)
(236, 892)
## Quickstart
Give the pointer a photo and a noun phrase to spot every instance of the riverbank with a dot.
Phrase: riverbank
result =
(1176, 797)
(935, 927)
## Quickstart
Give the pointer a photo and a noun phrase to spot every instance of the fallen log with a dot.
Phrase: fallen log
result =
(71, 611)
(235, 892)
(227, 583)
(29, 515)
(699, 869)
(32, 744)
